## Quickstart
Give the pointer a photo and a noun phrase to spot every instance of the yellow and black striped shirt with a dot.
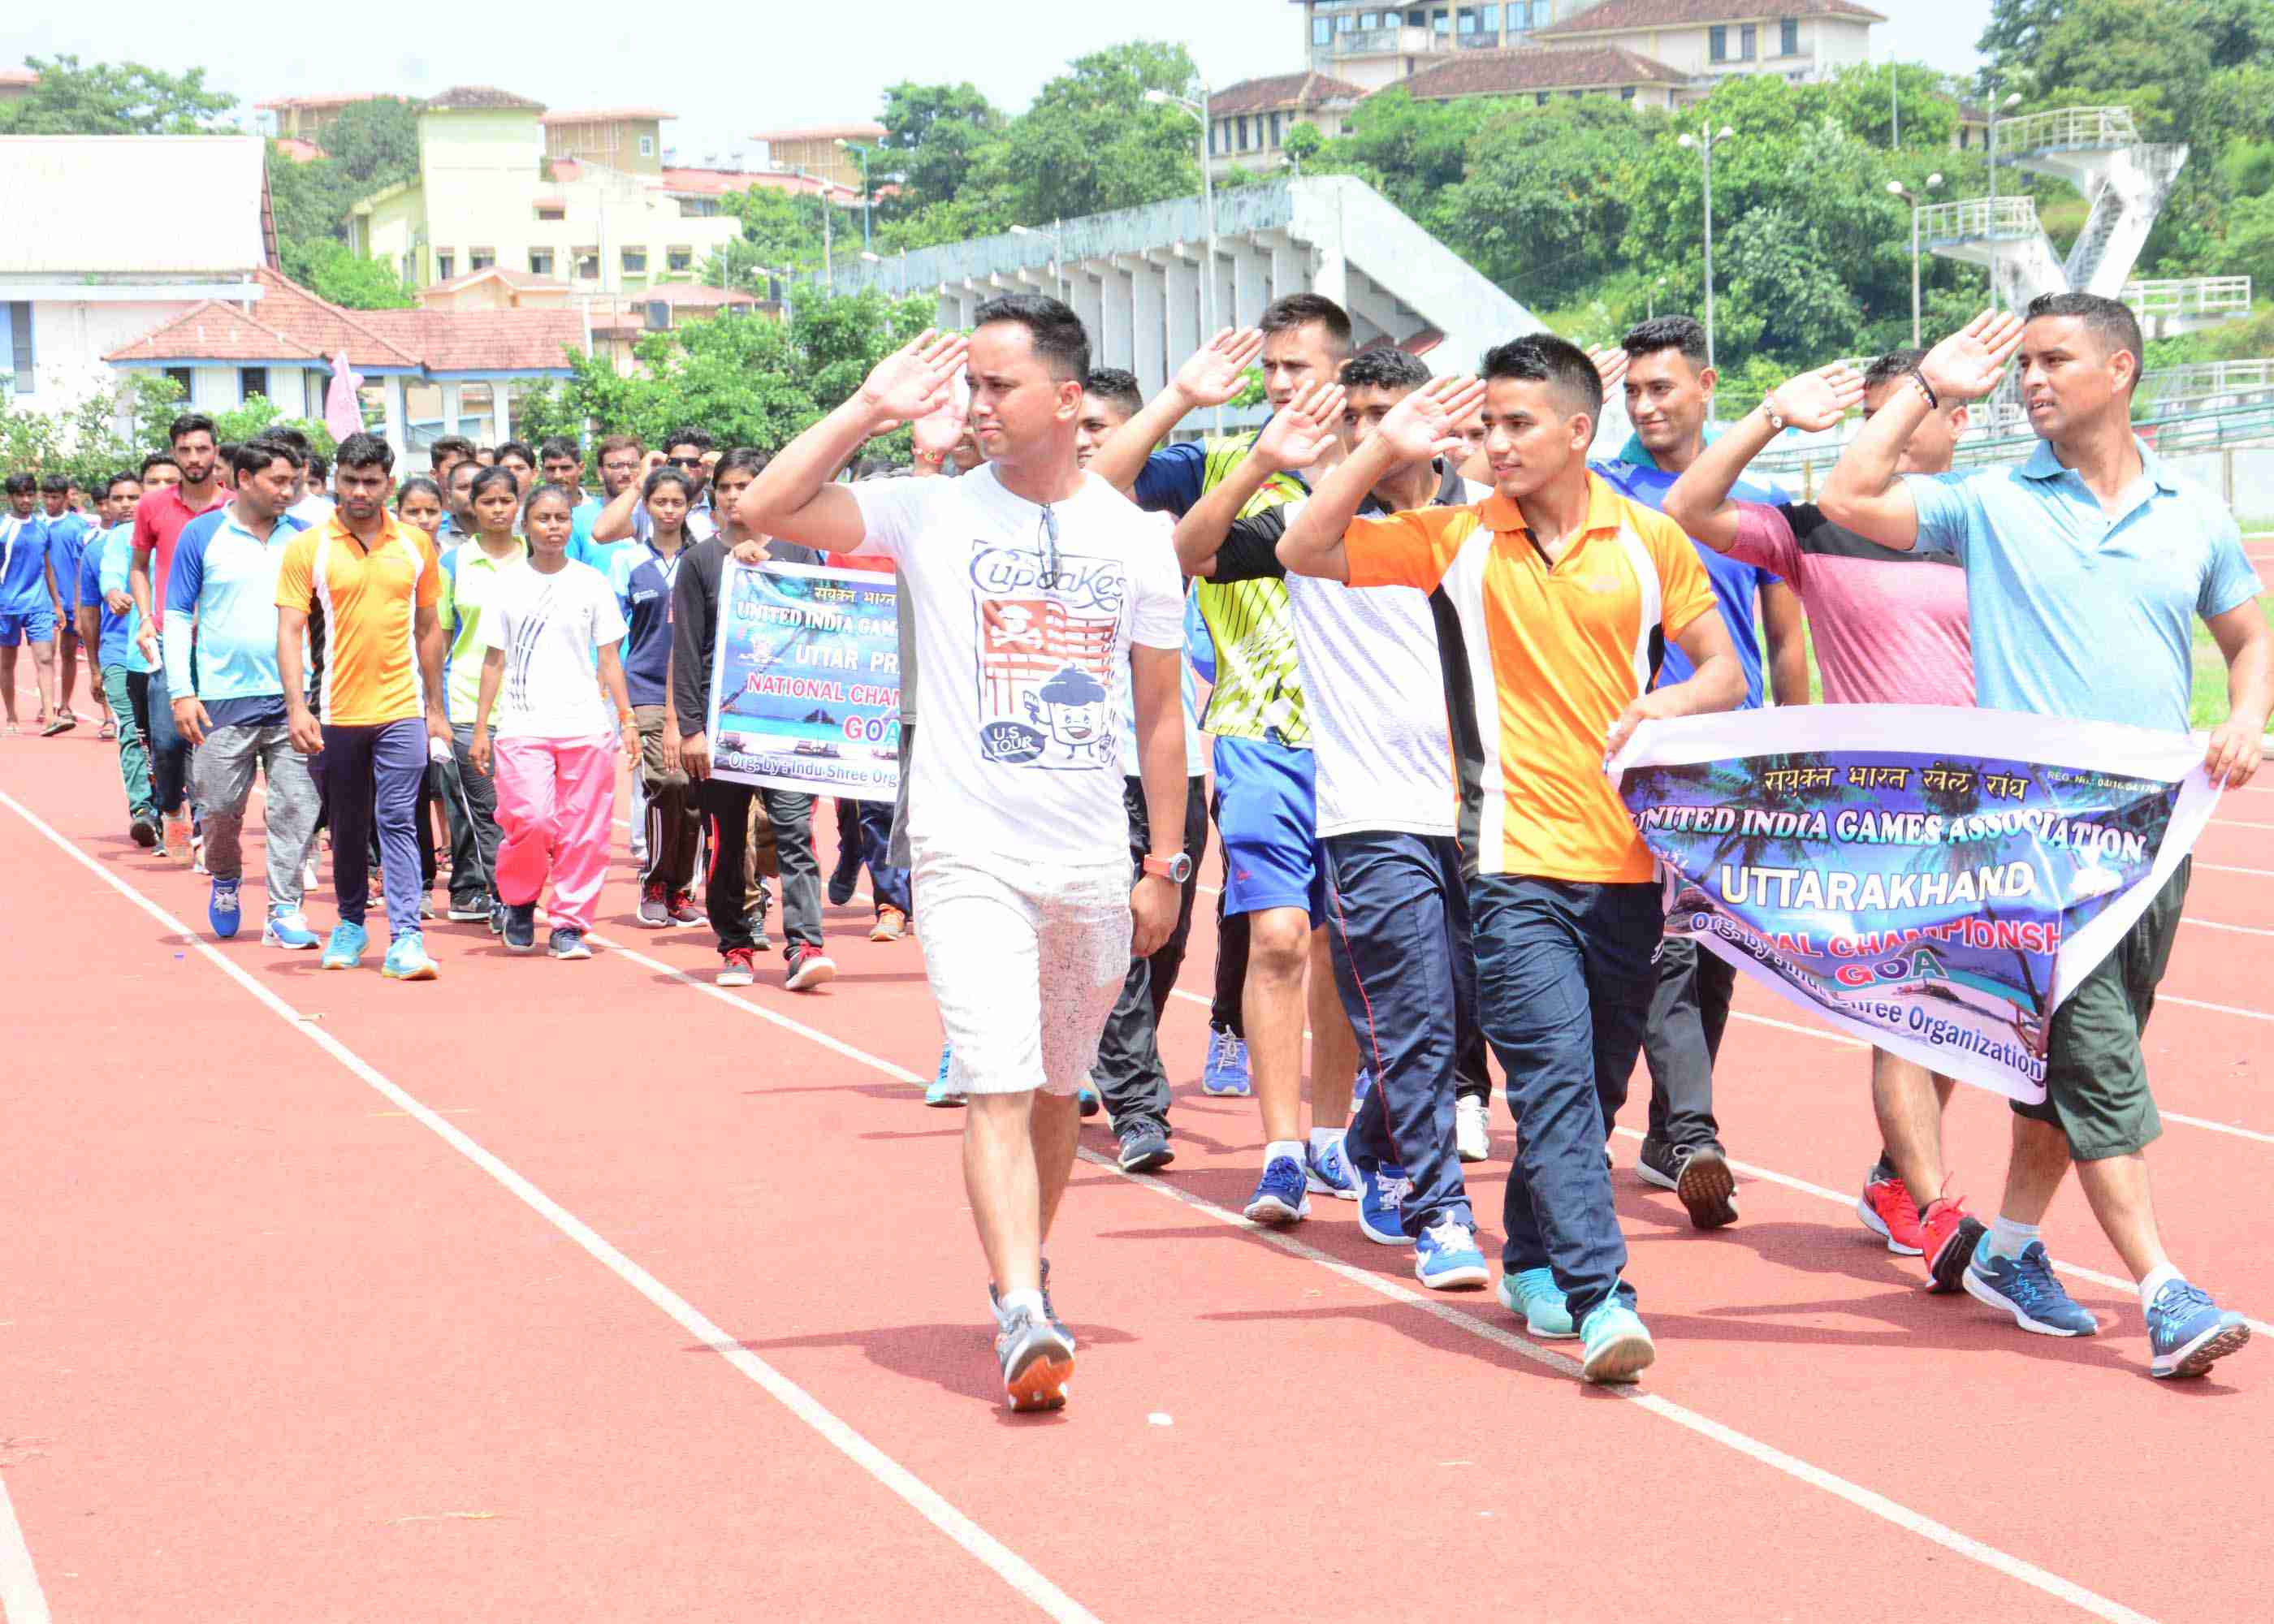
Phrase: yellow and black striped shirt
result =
(1259, 683)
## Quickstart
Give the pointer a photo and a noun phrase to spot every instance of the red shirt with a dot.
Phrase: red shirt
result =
(159, 519)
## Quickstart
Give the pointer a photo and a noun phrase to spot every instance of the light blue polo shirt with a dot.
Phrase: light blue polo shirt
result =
(116, 552)
(226, 576)
(2079, 610)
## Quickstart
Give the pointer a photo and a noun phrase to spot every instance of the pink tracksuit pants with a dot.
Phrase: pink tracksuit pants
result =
(554, 799)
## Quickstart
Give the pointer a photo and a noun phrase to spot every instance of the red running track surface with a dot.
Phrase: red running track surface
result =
(590, 1291)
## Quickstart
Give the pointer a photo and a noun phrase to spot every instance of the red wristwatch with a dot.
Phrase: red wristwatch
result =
(1175, 869)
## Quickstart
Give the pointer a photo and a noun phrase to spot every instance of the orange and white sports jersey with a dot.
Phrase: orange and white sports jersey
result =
(368, 601)
(1555, 654)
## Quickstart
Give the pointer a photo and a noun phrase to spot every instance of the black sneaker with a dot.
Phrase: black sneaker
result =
(1658, 1164)
(1701, 1177)
(520, 927)
(143, 830)
(497, 918)
(1144, 1145)
(844, 877)
(566, 943)
(760, 942)
(1037, 1362)
(471, 910)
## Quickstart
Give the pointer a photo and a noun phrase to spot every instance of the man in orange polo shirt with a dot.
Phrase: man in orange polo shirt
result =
(374, 580)
(1567, 593)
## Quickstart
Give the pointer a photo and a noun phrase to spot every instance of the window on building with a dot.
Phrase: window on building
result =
(1627, 93)
(1789, 37)
(1539, 99)
(182, 376)
(1465, 21)
(251, 380)
(1489, 18)
(1441, 22)
(1369, 20)
(679, 259)
(1345, 22)
(1717, 44)
(588, 263)
(19, 349)
(480, 258)
(1275, 118)
(1748, 42)
(446, 265)
(635, 262)
(550, 211)
(1322, 30)
(1418, 18)
(647, 146)
(540, 262)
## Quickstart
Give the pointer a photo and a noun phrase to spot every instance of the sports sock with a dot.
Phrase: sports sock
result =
(2009, 1239)
(1011, 1301)
(2155, 1281)
(1278, 1148)
(1323, 1140)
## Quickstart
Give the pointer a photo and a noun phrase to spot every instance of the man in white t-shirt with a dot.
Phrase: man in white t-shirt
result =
(1377, 667)
(1032, 584)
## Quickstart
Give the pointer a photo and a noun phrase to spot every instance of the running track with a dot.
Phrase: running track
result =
(589, 1291)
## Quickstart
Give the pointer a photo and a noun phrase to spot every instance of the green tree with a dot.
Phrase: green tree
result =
(330, 270)
(937, 135)
(1092, 142)
(1543, 202)
(112, 99)
(375, 142)
(1411, 152)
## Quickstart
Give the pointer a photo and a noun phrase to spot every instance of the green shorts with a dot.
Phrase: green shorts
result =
(2095, 1076)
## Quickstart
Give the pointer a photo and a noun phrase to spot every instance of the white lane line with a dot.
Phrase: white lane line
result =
(2212, 924)
(1877, 1505)
(22, 1599)
(2263, 873)
(2223, 1009)
(1007, 1564)
(2229, 823)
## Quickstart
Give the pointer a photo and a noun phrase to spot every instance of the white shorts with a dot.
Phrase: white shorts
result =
(1025, 961)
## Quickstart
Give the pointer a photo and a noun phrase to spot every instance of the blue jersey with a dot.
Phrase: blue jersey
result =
(105, 565)
(643, 581)
(223, 589)
(67, 538)
(23, 565)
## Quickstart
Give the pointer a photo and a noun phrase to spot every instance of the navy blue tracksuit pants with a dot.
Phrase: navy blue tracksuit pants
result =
(1397, 928)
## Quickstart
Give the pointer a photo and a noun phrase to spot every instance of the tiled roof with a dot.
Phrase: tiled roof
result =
(213, 331)
(480, 99)
(606, 116)
(339, 99)
(484, 341)
(1693, 13)
(1538, 68)
(527, 280)
(1280, 90)
(297, 150)
(825, 133)
(324, 327)
(22, 77)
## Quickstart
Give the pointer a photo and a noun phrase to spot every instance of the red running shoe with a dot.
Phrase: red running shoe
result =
(1887, 1210)
(1947, 1237)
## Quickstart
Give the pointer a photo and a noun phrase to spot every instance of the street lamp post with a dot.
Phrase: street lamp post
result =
(1916, 202)
(867, 196)
(1057, 234)
(1990, 224)
(1705, 141)
(821, 190)
(1199, 111)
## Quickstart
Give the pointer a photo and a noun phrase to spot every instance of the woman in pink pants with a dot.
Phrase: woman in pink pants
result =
(551, 629)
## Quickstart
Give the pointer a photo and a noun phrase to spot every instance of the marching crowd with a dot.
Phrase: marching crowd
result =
(1425, 609)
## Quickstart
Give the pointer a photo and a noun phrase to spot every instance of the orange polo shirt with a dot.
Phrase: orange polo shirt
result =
(1555, 654)
(369, 600)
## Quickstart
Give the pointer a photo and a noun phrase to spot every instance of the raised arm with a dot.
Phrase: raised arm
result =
(1699, 500)
(1863, 491)
(1209, 377)
(792, 497)
(1425, 424)
(614, 523)
(1296, 437)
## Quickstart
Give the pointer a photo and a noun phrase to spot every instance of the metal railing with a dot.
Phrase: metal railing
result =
(2066, 128)
(2189, 296)
(1973, 219)
(1404, 40)
(1996, 437)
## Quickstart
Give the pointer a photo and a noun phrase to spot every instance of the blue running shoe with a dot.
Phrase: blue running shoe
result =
(1328, 1172)
(567, 944)
(1279, 1197)
(1531, 1294)
(2187, 1332)
(1381, 1197)
(2025, 1288)
(943, 1093)
(1226, 1071)
(406, 959)
(288, 927)
(1446, 1258)
(222, 910)
(1615, 1344)
(344, 951)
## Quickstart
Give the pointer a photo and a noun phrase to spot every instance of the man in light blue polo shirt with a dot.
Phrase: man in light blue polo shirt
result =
(2086, 567)
(109, 627)
(221, 603)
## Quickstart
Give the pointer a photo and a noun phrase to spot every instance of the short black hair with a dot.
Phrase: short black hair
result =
(546, 490)
(688, 436)
(225, 454)
(156, 459)
(1298, 310)
(1542, 357)
(291, 437)
(23, 485)
(1893, 367)
(189, 422)
(412, 486)
(2109, 320)
(114, 482)
(560, 446)
(57, 484)
(1110, 383)
(448, 446)
(743, 456)
(689, 486)
(466, 462)
(491, 476)
(515, 447)
(1686, 333)
(1384, 366)
(318, 467)
(1061, 343)
(365, 450)
(255, 454)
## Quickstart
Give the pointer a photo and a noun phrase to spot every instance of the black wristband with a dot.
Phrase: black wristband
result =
(1933, 401)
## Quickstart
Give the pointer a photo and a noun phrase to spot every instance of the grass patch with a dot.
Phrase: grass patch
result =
(2208, 707)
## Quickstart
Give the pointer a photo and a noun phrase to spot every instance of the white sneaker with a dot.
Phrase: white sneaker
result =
(1470, 1135)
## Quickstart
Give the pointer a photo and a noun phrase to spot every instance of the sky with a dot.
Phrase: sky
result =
(748, 66)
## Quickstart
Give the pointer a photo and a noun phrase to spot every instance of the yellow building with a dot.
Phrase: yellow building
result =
(490, 193)
(628, 138)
